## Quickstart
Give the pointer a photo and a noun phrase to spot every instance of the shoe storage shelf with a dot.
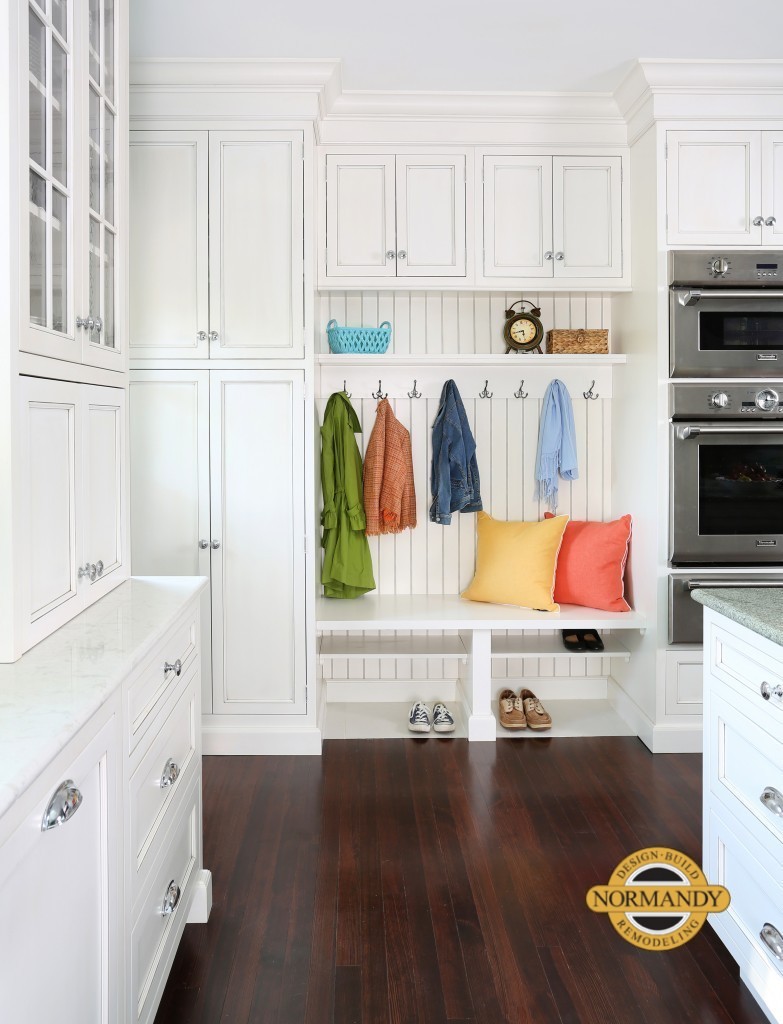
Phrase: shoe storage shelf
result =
(446, 627)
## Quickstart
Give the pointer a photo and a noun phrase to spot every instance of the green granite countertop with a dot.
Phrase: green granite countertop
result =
(758, 608)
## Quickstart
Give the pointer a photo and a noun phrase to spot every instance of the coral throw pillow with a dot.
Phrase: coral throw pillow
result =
(516, 562)
(591, 566)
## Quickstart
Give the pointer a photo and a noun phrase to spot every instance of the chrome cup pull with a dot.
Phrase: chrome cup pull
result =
(171, 898)
(772, 939)
(773, 800)
(170, 773)
(176, 667)
(768, 691)
(62, 807)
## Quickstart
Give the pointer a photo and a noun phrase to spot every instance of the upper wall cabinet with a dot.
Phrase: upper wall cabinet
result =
(72, 82)
(551, 217)
(217, 264)
(395, 217)
(724, 188)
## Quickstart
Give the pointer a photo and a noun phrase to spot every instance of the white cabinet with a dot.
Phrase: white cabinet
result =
(217, 244)
(724, 188)
(72, 85)
(72, 500)
(211, 495)
(398, 216)
(59, 947)
(552, 217)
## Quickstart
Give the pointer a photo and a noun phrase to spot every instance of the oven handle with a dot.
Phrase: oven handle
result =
(690, 296)
(723, 585)
(684, 433)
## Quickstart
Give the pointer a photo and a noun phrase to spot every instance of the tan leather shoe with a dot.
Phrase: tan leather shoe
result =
(536, 714)
(510, 711)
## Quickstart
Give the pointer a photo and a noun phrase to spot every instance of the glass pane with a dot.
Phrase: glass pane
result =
(59, 113)
(108, 165)
(108, 48)
(108, 289)
(95, 40)
(95, 268)
(95, 152)
(740, 331)
(37, 249)
(740, 489)
(37, 91)
(59, 261)
(60, 17)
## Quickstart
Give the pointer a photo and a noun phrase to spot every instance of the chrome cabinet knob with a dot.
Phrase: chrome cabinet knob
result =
(215, 545)
(549, 255)
(201, 336)
(203, 544)
(99, 567)
(171, 898)
(770, 222)
(559, 255)
(772, 939)
(92, 572)
(65, 802)
(85, 321)
(170, 773)
(768, 691)
(773, 800)
(175, 667)
(757, 222)
(97, 324)
(402, 254)
(84, 570)
(214, 336)
(390, 254)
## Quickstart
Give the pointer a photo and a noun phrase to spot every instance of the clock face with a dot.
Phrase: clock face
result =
(523, 331)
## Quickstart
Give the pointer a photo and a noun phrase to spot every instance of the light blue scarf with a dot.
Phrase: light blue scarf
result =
(556, 443)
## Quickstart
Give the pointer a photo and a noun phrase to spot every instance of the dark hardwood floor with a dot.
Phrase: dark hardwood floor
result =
(409, 881)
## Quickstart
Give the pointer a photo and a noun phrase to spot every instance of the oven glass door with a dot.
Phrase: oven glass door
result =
(727, 494)
(721, 334)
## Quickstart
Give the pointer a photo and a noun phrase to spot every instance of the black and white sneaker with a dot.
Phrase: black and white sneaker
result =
(420, 717)
(443, 720)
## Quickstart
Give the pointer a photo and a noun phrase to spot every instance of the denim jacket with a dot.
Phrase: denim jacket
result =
(455, 476)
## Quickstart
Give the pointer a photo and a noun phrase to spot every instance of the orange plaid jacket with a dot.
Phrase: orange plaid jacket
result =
(389, 493)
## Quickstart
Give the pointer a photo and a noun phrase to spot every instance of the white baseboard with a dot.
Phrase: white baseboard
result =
(659, 737)
(384, 691)
(671, 738)
(201, 904)
(247, 737)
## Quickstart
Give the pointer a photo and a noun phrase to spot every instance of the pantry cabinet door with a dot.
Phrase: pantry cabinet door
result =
(431, 216)
(169, 270)
(772, 188)
(258, 569)
(169, 484)
(713, 188)
(104, 490)
(256, 261)
(360, 232)
(587, 216)
(518, 216)
(51, 483)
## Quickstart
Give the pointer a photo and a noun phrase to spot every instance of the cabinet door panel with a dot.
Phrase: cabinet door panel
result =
(360, 216)
(713, 188)
(587, 216)
(256, 264)
(51, 485)
(772, 187)
(104, 488)
(169, 277)
(431, 216)
(517, 216)
(169, 492)
(258, 578)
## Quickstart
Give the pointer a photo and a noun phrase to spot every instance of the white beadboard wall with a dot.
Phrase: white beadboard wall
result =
(434, 559)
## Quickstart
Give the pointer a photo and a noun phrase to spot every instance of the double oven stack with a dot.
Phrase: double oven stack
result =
(726, 432)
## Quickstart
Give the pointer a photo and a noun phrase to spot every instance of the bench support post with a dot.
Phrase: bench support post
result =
(481, 723)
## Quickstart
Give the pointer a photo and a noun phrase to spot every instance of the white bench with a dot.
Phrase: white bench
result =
(474, 645)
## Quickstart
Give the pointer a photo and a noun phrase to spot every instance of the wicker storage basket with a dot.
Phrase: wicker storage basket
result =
(579, 342)
(358, 339)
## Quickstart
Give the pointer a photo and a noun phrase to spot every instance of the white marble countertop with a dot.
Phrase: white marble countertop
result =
(54, 689)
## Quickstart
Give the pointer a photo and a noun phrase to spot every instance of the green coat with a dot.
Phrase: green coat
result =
(347, 567)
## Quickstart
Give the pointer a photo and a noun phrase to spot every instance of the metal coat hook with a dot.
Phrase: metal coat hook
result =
(345, 390)
(379, 393)
(590, 394)
(520, 393)
(414, 393)
(485, 393)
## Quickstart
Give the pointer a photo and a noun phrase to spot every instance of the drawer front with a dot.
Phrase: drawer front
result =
(746, 770)
(756, 902)
(155, 682)
(748, 665)
(156, 933)
(163, 774)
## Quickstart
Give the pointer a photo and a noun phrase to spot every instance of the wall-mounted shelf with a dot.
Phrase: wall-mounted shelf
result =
(522, 647)
(392, 647)
(521, 362)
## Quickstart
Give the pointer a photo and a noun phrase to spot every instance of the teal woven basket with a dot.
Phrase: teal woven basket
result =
(358, 339)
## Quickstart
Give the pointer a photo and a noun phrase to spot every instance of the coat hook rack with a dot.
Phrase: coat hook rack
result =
(379, 393)
(345, 390)
(590, 394)
(520, 393)
(485, 393)
(414, 393)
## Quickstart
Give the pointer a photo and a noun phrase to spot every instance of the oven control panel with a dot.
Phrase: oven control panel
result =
(763, 400)
(729, 270)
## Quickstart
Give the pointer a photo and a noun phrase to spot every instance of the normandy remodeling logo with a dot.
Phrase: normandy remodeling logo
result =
(658, 898)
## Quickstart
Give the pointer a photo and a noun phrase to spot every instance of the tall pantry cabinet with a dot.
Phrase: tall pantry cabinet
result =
(219, 426)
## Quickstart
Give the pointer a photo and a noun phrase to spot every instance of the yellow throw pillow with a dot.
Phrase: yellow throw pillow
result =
(516, 562)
